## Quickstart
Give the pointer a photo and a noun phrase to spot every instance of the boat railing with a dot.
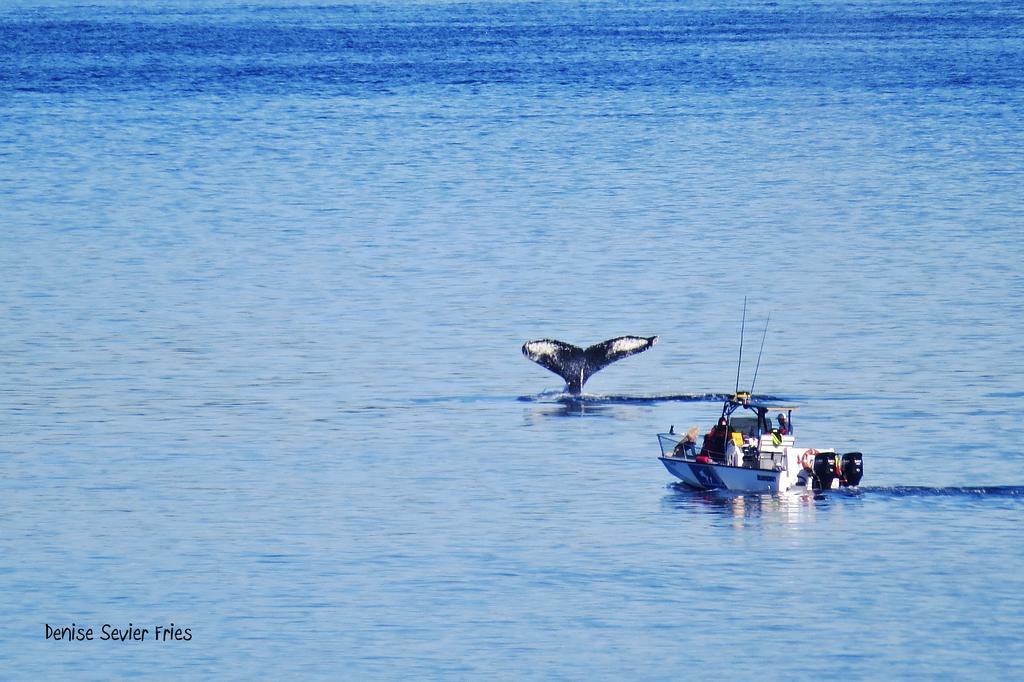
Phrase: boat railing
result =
(668, 442)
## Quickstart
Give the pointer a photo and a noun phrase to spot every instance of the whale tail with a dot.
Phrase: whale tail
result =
(575, 364)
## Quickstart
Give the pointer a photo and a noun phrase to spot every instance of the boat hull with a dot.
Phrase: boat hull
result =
(722, 477)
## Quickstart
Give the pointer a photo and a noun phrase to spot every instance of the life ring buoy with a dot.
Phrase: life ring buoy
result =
(807, 459)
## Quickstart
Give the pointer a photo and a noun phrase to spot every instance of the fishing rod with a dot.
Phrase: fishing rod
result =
(739, 362)
(758, 365)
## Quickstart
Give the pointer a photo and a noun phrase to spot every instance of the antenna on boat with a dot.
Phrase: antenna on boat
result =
(758, 365)
(739, 362)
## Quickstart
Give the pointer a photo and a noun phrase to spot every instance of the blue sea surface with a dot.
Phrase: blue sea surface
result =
(265, 273)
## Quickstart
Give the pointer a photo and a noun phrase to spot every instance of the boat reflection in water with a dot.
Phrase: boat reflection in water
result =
(794, 507)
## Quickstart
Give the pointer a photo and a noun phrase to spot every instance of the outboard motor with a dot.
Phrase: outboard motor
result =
(852, 468)
(824, 469)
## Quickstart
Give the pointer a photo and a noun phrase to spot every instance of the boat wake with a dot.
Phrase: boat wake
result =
(1006, 491)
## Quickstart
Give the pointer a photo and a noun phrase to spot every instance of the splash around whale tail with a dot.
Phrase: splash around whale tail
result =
(575, 364)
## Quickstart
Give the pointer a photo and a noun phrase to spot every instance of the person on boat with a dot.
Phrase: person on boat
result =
(714, 442)
(785, 428)
(687, 447)
(734, 450)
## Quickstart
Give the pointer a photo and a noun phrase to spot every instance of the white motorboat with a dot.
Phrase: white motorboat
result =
(747, 453)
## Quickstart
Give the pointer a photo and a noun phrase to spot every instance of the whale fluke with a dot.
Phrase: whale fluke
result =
(576, 365)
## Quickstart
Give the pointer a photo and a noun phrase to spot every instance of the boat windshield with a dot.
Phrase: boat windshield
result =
(745, 425)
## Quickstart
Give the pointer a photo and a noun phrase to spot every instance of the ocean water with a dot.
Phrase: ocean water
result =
(265, 272)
